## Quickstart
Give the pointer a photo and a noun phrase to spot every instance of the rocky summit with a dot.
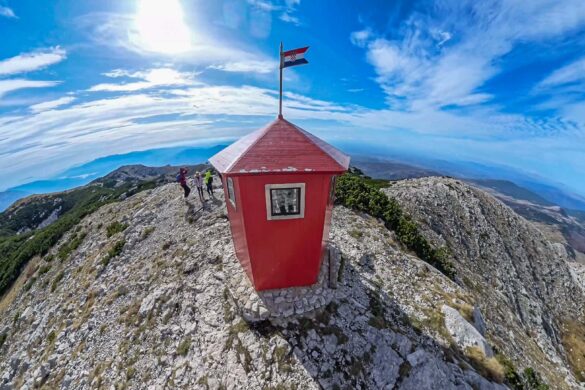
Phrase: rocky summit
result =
(138, 296)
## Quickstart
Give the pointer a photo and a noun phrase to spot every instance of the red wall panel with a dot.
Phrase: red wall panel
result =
(288, 252)
(237, 226)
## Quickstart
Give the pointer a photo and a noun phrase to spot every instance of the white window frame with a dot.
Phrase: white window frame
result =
(227, 183)
(267, 193)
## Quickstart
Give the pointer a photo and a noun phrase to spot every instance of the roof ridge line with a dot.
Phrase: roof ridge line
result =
(264, 131)
(306, 135)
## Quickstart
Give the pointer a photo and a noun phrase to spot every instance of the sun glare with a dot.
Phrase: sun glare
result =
(160, 27)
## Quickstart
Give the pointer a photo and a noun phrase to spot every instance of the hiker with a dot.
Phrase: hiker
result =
(182, 180)
(209, 182)
(199, 186)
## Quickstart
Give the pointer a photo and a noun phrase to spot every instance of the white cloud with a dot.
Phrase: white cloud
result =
(360, 38)
(288, 18)
(49, 141)
(111, 30)
(441, 37)
(44, 106)
(568, 74)
(151, 78)
(423, 66)
(32, 61)
(7, 86)
(7, 12)
(264, 5)
(261, 67)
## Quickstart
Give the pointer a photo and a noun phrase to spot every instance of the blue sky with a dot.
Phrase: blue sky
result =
(494, 82)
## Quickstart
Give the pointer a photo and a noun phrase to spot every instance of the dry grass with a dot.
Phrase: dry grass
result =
(573, 339)
(9, 297)
(488, 367)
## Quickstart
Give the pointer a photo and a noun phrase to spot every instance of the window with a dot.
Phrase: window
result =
(285, 201)
(231, 192)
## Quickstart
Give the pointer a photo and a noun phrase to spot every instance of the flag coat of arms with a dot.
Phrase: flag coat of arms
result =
(294, 57)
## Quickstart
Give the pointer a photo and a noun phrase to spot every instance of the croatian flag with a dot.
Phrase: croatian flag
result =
(294, 57)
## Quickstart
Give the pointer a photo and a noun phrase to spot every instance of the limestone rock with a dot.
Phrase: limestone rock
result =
(464, 334)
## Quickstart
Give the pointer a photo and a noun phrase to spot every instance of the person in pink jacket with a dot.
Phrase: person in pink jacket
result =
(199, 186)
(182, 180)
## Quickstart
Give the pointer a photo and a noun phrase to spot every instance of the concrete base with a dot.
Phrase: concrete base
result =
(281, 303)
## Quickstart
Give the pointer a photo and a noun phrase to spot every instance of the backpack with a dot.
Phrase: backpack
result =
(178, 178)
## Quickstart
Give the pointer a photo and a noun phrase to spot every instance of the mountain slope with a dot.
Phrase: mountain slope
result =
(142, 300)
(33, 224)
(149, 306)
(532, 301)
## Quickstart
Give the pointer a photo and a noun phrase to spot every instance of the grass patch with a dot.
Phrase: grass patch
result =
(30, 283)
(3, 338)
(532, 380)
(233, 342)
(115, 227)
(357, 234)
(489, 368)
(44, 269)
(147, 232)
(57, 280)
(114, 251)
(51, 337)
(130, 313)
(378, 319)
(184, 346)
(65, 249)
(573, 340)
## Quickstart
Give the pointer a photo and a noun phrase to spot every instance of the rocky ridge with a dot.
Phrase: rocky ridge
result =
(523, 283)
(146, 304)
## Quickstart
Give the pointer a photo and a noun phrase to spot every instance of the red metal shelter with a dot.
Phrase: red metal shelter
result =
(279, 183)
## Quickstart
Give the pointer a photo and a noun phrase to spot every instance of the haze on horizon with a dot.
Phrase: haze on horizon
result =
(498, 83)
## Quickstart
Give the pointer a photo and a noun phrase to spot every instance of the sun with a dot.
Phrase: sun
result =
(159, 26)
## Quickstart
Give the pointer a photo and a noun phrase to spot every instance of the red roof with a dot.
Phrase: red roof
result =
(280, 147)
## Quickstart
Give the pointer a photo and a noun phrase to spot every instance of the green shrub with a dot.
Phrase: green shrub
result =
(183, 348)
(358, 193)
(117, 248)
(528, 380)
(114, 251)
(115, 227)
(147, 232)
(56, 281)
(44, 269)
(3, 338)
(532, 380)
(68, 247)
(30, 283)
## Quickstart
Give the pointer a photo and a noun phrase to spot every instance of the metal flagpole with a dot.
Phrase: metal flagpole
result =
(280, 95)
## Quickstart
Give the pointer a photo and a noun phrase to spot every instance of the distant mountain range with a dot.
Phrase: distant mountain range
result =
(84, 174)
(561, 224)
(401, 166)
(505, 179)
